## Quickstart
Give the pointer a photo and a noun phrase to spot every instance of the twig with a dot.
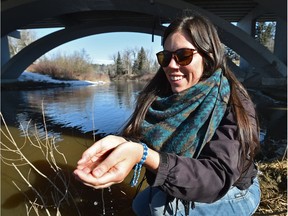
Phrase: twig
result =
(48, 148)
(18, 151)
(285, 154)
(31, 186)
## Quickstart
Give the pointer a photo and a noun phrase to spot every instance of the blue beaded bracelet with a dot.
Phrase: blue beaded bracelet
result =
(138, 166)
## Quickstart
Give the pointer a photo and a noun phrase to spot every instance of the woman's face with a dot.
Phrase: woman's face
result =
(182, 77)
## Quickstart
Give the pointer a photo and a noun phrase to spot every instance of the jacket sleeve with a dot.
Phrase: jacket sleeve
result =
(207, 178)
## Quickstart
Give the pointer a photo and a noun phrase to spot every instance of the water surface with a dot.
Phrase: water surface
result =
(73, 118)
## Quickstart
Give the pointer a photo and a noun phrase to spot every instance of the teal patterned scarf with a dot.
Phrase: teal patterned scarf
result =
(184, 122)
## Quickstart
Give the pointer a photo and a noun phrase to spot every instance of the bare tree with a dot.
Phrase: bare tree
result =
(15, 45)
(127, 60)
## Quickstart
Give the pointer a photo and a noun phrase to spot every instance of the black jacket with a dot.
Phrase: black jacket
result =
(217, 168)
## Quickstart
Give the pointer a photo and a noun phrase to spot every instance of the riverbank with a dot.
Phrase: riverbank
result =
(142, 78)
(31, 80)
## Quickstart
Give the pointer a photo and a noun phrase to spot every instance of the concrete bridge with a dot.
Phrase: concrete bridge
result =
(80, 18)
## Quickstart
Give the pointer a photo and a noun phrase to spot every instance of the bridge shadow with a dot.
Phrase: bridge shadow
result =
(72, 197)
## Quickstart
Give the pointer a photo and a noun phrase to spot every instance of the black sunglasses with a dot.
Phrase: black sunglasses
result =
(182, 56)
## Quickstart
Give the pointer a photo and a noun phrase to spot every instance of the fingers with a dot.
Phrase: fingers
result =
(100, 175)
(107, 179)
(90, 154)
(89, 180)
(100, 149)
(109, 165)
(124, 157)
(102, 171)
(110, 171)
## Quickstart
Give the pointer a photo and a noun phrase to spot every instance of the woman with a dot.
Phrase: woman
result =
(200, 128)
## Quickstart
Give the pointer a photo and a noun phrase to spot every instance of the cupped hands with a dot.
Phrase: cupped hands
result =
(108, 161)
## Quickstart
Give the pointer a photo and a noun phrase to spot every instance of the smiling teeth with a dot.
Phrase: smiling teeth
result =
(174, 78)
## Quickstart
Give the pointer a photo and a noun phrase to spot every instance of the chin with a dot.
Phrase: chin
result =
(178, 89)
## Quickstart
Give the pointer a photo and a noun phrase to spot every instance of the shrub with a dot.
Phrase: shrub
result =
(64, 67)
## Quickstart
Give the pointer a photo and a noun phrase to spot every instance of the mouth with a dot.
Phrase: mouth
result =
(176, 78)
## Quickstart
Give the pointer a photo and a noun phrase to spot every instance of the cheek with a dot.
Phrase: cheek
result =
(198, 74)
(197, 70)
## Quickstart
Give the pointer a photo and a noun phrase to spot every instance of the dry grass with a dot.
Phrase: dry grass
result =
(76, 66)
(56, 185)
(273, 188)
(273, 178)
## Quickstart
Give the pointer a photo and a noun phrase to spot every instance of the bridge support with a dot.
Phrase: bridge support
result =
(247, 24)
(280, 46)
(5, 52)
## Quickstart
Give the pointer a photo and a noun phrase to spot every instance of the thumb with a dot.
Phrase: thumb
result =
(100, 170)
(105, 165)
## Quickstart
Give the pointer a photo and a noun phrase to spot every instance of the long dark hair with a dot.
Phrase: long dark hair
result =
(205, 39)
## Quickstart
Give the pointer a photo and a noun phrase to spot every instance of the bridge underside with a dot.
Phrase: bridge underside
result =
(80, 18)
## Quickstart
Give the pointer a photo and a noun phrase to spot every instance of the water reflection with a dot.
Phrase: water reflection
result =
(100, 109)
(68, 111)
(60, 186)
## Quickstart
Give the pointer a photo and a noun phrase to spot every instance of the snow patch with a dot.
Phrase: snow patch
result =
(35, 77)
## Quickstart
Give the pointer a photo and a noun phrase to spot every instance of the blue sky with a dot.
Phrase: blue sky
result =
(102, 47)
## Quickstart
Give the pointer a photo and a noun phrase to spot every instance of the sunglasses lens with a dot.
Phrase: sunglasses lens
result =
(164, 58)
(184, 56)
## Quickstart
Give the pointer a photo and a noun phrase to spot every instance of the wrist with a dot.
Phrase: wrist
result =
(144, 154)
(141, 152)
(138, 166)
(138, 151)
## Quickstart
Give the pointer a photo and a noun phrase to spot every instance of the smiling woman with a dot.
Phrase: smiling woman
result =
(199, 125)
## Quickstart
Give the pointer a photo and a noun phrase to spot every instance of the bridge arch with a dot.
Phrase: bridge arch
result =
(134, 16)
(28, 55)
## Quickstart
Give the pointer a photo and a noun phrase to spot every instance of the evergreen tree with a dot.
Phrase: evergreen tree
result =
(119, 65)
(135, 66)
(141, 64)
(142, 58)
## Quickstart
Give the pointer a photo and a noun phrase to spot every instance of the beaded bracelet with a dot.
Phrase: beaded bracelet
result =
(138, 166)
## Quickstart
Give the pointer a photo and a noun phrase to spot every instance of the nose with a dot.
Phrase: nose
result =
(173, 62)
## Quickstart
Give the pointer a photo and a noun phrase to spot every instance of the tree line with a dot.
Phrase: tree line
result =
(133, 62)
